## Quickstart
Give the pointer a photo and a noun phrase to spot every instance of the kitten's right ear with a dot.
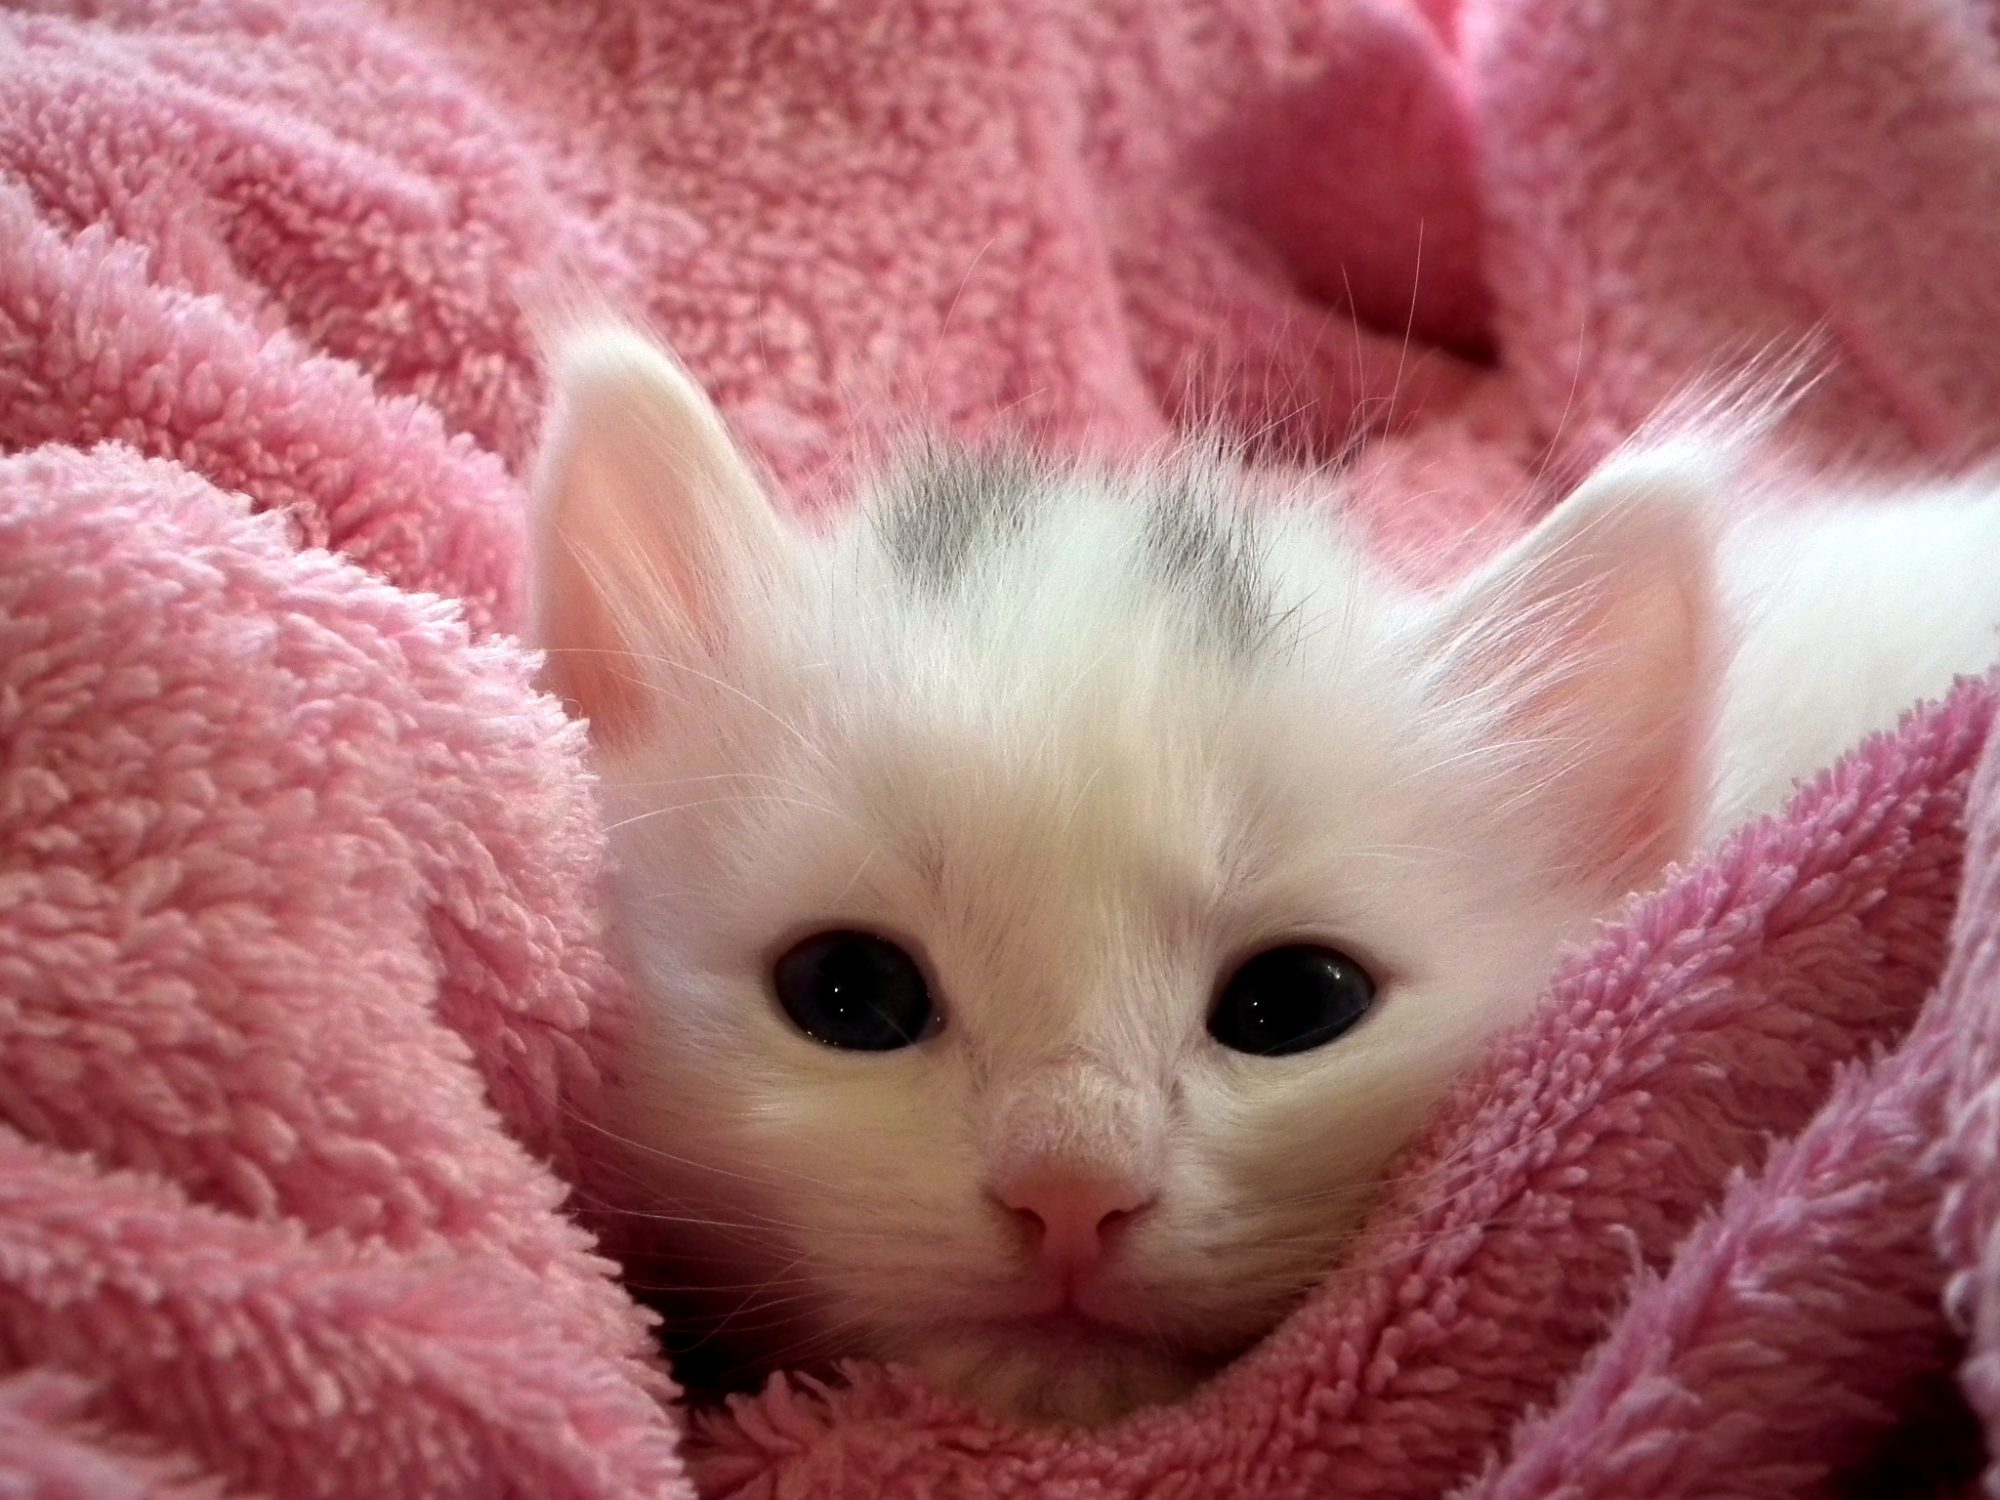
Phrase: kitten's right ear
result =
(650, 526)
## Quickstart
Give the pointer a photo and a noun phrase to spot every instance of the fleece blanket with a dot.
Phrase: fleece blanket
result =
(303, 991)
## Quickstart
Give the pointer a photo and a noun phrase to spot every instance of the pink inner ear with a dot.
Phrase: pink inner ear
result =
(1630, 718)
(622, 593)
(644, 505)
(590, 665)
(1596, 636)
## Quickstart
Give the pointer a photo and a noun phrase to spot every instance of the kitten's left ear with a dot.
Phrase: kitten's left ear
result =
(651, 531)
(1590, 644)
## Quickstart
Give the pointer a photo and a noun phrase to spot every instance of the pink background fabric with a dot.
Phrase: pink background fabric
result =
(303, 991)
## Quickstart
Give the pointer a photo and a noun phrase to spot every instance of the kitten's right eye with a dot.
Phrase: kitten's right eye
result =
(854, 990)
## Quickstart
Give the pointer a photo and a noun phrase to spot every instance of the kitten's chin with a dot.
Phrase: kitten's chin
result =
(1055, 1374)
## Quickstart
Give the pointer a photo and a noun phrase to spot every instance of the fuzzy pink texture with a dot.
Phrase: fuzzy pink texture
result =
(301, 985)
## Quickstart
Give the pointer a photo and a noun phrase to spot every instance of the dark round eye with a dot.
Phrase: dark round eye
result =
(854, 990)
(1291, 999)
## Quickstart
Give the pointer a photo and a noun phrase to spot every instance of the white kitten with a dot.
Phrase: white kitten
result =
(1054, 895)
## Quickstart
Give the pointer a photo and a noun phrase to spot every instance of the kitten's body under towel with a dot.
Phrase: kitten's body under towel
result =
(1054, 896)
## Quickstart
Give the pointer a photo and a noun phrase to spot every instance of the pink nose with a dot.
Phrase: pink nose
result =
(1070, 1215)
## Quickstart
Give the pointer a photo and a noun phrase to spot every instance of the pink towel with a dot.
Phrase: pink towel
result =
(301, 985)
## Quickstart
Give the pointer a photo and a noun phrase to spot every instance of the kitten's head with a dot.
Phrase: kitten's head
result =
(1054, 896)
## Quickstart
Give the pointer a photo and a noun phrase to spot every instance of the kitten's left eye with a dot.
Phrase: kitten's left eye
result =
(854, 990)
(1291, 999)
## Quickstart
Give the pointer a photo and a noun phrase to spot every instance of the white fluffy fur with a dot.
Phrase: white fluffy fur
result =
(1079, 817)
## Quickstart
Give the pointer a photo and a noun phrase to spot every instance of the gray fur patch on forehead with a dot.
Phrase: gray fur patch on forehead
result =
(1207, 551)
(948, 507)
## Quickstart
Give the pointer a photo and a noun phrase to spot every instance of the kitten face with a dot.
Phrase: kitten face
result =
(1080, 746)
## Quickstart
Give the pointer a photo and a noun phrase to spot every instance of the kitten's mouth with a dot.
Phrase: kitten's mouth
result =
(1067, 1323)
(1064, 1367)
(1066, 1329)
